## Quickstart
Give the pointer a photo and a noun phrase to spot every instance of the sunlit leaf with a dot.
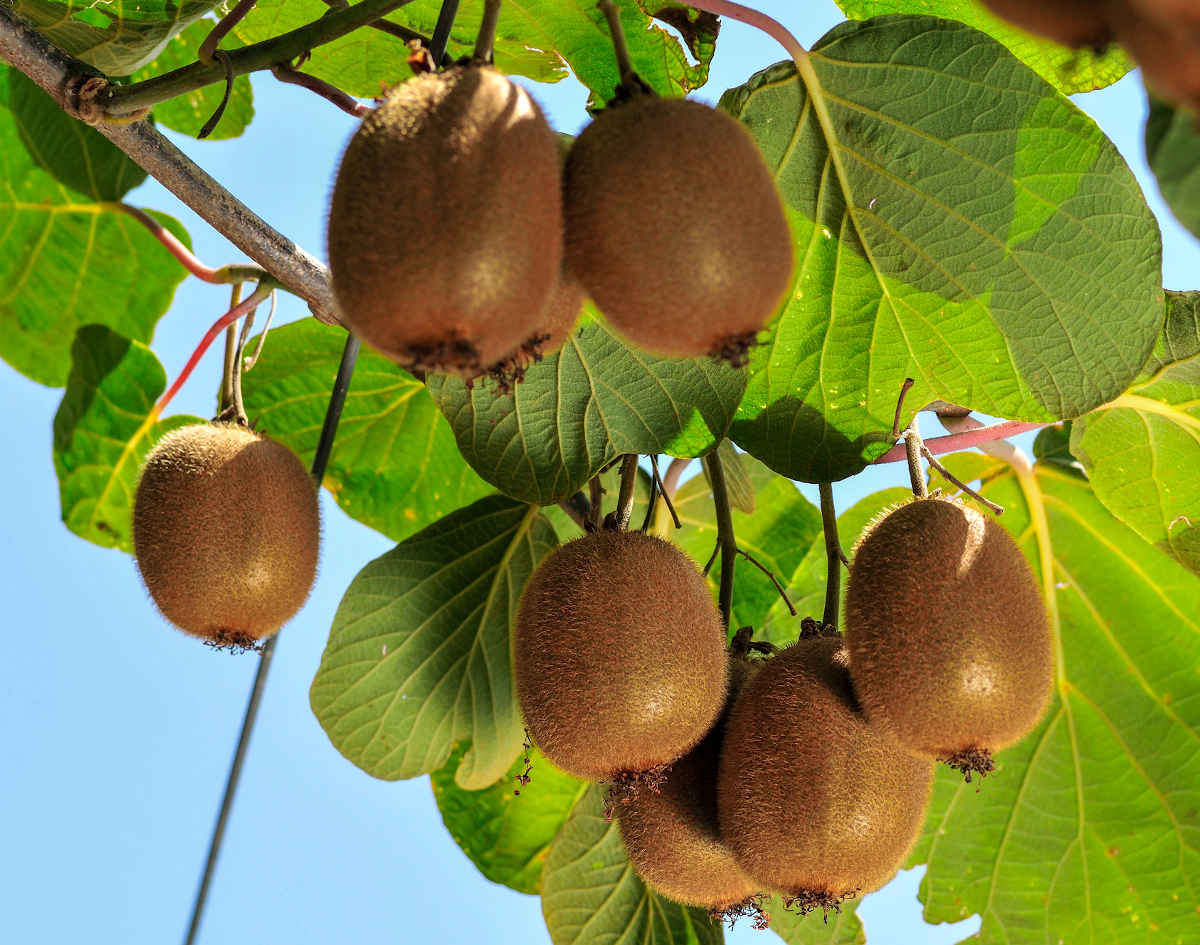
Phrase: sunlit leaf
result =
(419, 656)
(1173, 150)
(103, 431)
(1142, 452)
(957, 221)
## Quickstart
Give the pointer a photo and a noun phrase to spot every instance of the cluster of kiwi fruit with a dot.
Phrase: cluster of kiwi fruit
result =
(805, 772)
(1162, 35)
(226, 532)
(462, 240)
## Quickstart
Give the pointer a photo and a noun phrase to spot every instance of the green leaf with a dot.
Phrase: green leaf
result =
(584, 406)
(394, 466)
(1173, 150)
(118, 37)
(537, 39)
(1068, 70)
(843, 928)
(419, 656)
(957, 221)
(506, 829)
(1142, 451)
(188, 113)
(66, 148)
(1089, 830)
(592, 896)
(103, 430)
(66, 261)
(779, 535)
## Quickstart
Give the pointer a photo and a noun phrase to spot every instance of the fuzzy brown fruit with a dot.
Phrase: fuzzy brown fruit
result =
(445, 227)
(950, 649)
(813, 802)
(226, 532)
(619, 655)
(1073, 23)
(675, 227)
(671, 835)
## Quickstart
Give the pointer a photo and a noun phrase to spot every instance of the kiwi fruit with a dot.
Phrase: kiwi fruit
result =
(812, 801)
(950, 649)
(675, 227)
(619, 655)
(1074, 23)
(445, 225)
(226, 531)
(671, 835)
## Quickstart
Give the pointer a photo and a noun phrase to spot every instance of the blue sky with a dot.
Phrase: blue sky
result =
(120, 728)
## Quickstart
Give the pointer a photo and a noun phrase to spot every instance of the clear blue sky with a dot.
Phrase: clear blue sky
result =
(119, 729)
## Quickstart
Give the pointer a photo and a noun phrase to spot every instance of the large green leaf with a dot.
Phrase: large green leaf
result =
(419, 656)
(394, 465)
(188, 113)
(118, 37)
(582, 407)
(506, 829)
(1142, 451)
(592, 896)
(67, 261)
(535, 38)
(1173, 150)
(103, 430)
(70, 151)
(957, 221)
(1068, 70)
(1089, 830)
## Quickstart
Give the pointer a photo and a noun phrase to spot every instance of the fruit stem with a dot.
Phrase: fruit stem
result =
(773, 28)
(225, 400)
(725, 536)
(912, 448)
(624, 64)
(629, 469)
(485, 42)
(260, 293)
(331, 93)
(833, 557)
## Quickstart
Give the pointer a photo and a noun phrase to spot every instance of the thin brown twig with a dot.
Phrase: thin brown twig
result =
(231, 19)
(331, 93)
(774, 580)
(662, 488)
(904, 389)
(946, 474)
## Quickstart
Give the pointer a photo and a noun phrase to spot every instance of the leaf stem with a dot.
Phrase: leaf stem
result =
(833, 557)
(946, 474)
(222, 28)
(331, 93)
(120, 100)
(485, 41)
(667, 494)
(725, 537)
(966, 438)
(612, 14)
(772, 27)
(774, 580)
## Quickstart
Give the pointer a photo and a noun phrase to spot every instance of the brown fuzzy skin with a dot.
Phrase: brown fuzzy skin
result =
(671, 836)
(675, 226)
(445, 227)
(949, 644)
(1073, 23)
(811, 800)
(226, 532)
(619, 655)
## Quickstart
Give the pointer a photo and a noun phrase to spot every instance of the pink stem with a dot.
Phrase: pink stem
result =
(167, 238)
(964, 440)
(773, 28)
(248, 305)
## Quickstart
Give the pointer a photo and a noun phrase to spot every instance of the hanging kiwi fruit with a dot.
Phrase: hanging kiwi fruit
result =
(445, 226)
(949, 645)
(619, 655)
(675, 227)
(812, 801)
(226, 531)
(671, 835)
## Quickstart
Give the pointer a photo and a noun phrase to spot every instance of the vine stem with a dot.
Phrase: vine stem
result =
(833, 556)
(744, 14)
(725, 537)
(115, 101)
(965, 438)
(300, 273)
